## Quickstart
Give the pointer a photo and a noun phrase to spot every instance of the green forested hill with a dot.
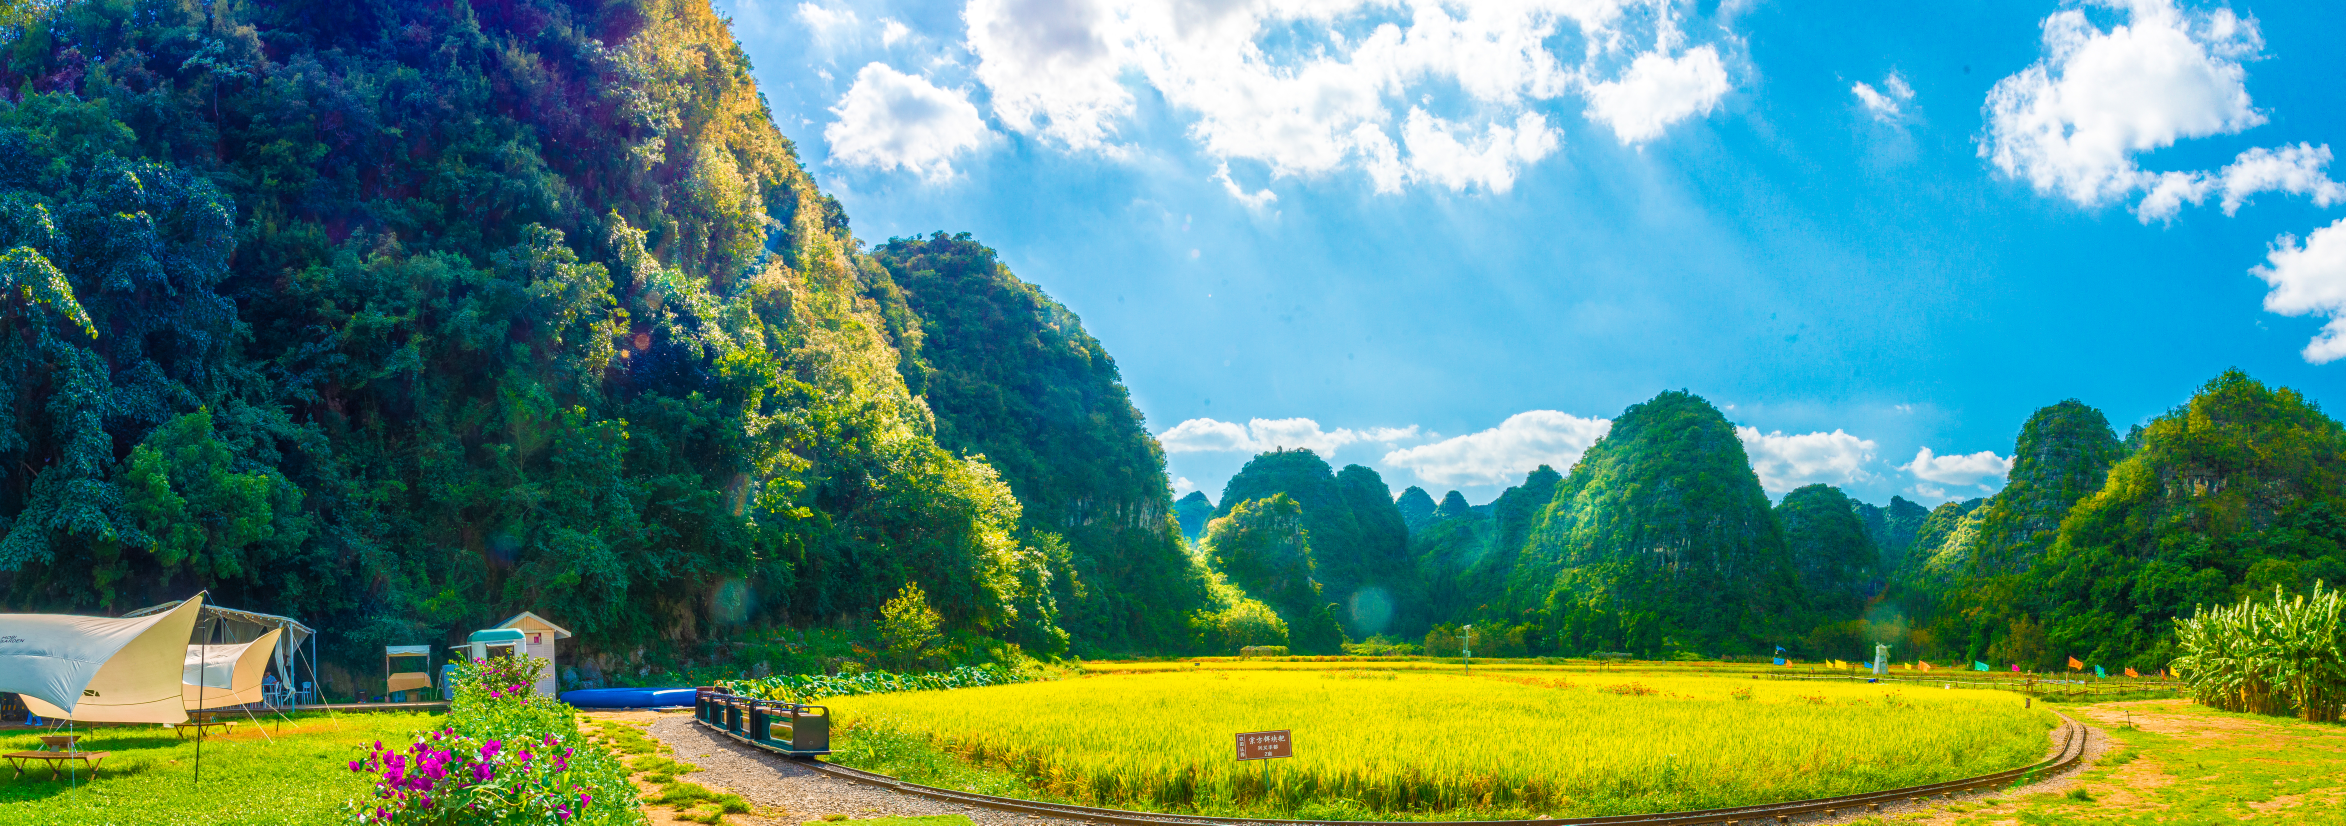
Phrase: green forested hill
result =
(1359, 542)
(1659, 538)
(1832, 556)
(401, 317)
(2234, 493)
(1012, 376)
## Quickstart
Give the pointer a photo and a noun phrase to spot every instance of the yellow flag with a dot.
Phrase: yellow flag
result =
(2074, 664)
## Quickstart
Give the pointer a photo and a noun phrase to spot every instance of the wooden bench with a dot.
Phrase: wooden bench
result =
(55, 759)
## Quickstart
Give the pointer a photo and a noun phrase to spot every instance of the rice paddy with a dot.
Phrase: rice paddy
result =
(1418, 744)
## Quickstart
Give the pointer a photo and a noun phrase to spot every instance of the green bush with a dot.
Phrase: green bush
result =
(505, 756)
(807, 688)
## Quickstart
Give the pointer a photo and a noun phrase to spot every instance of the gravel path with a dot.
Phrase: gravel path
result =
(804, 794)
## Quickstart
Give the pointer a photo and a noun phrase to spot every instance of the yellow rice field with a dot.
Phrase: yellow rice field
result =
(1417, 744)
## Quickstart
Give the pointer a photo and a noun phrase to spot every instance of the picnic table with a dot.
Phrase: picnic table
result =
(55, 759)
(202, 724)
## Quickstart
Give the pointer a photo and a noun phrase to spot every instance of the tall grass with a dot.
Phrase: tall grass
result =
(2284, 657)
(1408, 744)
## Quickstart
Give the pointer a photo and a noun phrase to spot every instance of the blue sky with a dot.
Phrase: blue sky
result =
(1451, 242)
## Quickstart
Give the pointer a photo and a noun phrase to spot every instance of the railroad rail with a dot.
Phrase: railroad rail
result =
(2071, 736)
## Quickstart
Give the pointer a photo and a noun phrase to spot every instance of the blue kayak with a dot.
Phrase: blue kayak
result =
(629, 697)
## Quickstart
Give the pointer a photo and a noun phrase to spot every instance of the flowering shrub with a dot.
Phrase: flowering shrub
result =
(506, 756)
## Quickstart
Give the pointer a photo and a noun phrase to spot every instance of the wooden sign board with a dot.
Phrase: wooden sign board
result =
(1264, 745)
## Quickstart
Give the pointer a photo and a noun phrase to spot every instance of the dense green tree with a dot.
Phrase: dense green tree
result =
(1454, 505)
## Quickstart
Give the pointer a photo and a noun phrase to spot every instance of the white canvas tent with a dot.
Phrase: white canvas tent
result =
(226, 675)
(98, 669)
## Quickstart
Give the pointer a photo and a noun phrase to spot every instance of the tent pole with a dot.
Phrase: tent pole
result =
(203, 672)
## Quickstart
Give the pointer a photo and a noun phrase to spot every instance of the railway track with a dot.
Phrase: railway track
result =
(2071, 736)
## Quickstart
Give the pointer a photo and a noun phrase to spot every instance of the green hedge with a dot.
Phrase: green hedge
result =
(807, 688)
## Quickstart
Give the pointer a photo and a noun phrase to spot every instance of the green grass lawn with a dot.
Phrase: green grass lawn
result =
(2177, 763)
(301, 778)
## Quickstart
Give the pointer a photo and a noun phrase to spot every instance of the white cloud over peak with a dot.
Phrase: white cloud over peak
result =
(2311, 280)
(2073, 122)
(1503, 454)
(1784, 462)
(892, 120)
(1974, 469)
(1887, 102)
(1259, 435)
(1423, 91)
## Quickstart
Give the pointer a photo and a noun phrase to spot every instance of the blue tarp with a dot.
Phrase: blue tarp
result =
(629, 697)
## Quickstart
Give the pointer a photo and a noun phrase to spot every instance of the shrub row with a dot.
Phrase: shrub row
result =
(807, 688)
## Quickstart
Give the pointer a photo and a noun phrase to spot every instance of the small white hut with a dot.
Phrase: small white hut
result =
(538, 638)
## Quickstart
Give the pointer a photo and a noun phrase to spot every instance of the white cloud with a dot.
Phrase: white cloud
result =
(1658, 91)
(1786, 462)
(891, 120)
(1259, 435)
(2073, 122)
(827, 23)
(1932, 495)
(2311, 280)
(1307, 87)
(1887, 102)
(1436, 155)
(1182, 486)
(1053, 66)
(892, 31)
(1966, 469)
(2296, 170)
(1253, 200)
(1503, 454)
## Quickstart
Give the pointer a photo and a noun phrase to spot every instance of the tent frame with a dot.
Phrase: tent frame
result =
(292, 663)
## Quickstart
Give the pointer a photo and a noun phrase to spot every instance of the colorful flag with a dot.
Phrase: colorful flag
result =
(2015, 668)
(1978, 666)
(1780, 656)
(2074, 664)
(1780, 661)
(1925, 666)
(2098, 672)
(2130, 673)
